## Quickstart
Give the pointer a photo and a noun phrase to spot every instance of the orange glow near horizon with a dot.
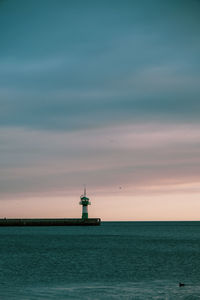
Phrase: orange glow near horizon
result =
(135, 172)
(123, 206)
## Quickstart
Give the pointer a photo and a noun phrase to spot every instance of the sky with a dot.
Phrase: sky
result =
(102, 93)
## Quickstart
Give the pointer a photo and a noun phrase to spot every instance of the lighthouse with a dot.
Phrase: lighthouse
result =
(84, 202)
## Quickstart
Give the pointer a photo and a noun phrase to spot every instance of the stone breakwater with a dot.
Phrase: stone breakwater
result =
(50, 222)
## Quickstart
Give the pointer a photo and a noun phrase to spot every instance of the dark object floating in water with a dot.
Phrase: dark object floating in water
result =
(50, 222)
(181, 284)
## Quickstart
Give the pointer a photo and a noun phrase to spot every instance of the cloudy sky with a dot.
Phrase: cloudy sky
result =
(102, 93)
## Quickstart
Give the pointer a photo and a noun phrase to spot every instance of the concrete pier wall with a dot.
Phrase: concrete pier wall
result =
(50, 222)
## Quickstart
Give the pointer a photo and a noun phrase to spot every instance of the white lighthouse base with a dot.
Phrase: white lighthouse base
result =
(85, 212)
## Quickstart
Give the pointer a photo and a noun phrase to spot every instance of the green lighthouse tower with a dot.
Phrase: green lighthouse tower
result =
(84, 202)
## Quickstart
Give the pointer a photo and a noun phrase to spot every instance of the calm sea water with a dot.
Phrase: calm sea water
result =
(117, 260)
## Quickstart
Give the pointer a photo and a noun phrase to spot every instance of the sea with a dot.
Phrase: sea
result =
(117, 260)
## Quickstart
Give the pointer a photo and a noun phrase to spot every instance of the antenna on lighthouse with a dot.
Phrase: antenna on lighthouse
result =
(84, 190)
